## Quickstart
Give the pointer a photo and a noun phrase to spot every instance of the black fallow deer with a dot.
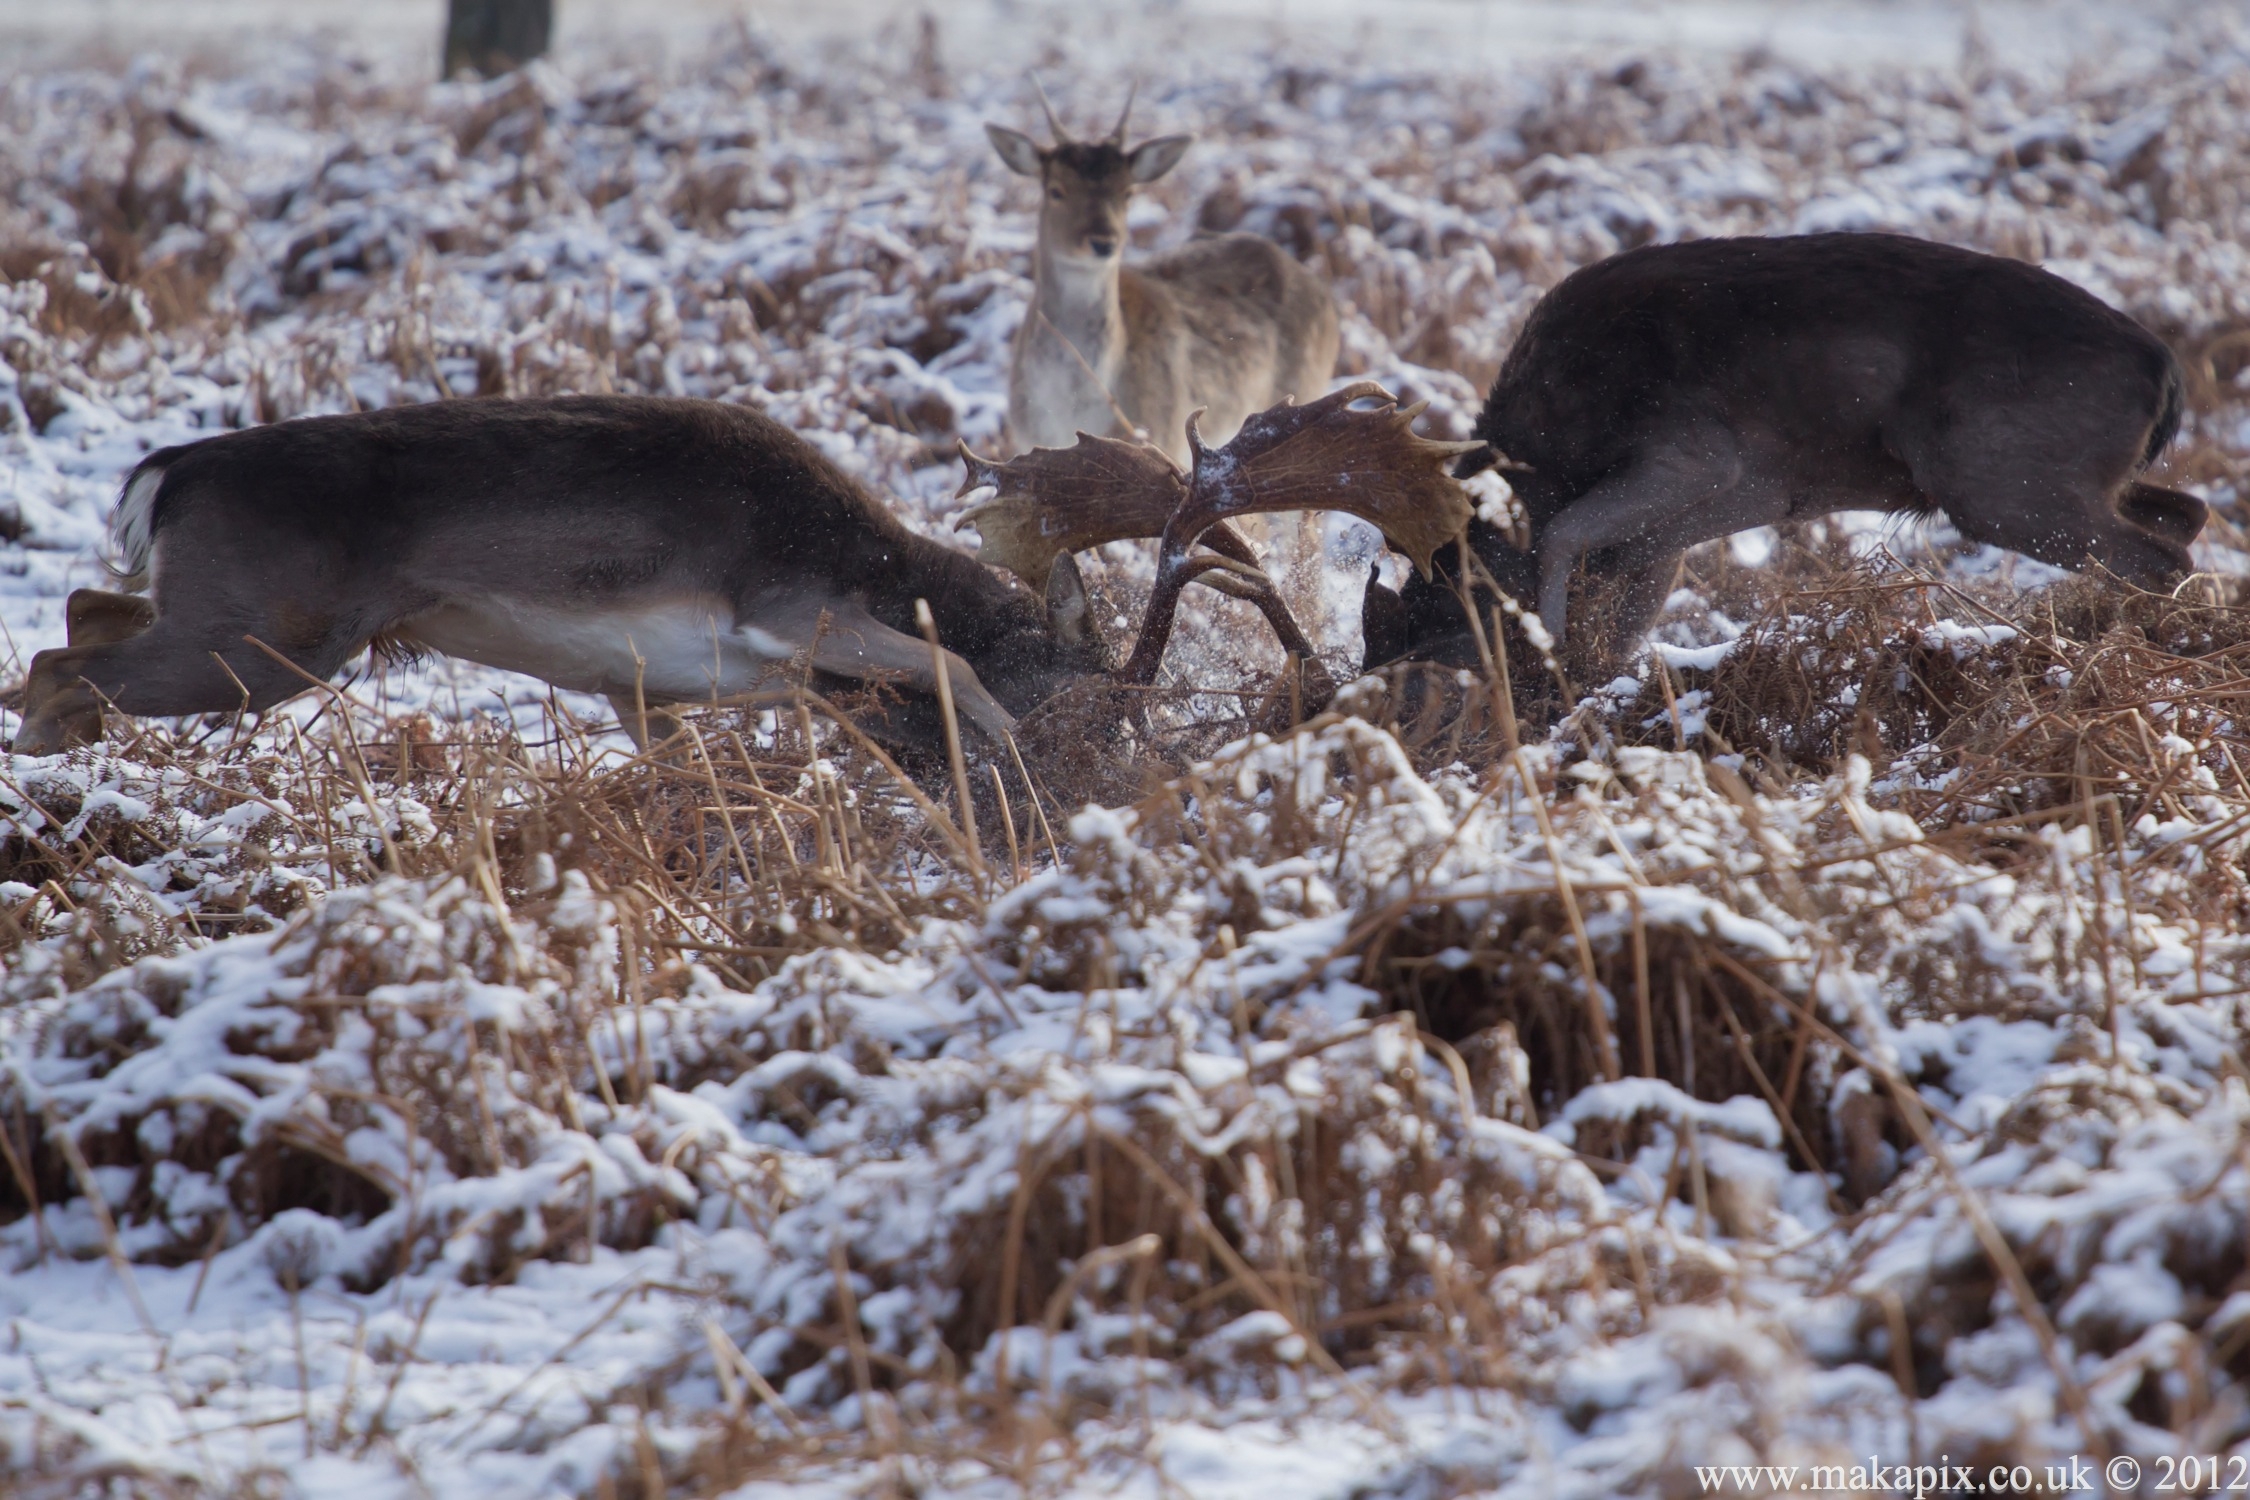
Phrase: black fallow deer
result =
(1677, 393)
(658, 551)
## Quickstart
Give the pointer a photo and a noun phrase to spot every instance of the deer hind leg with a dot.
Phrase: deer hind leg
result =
(95, 617)
(2053, 479)
(2171, 515)
(154, 672)
(2061, 518)
(174, 666)
(59, 709)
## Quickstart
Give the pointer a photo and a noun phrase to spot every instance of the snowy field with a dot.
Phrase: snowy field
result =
(1827, 1048)
(1482, 36)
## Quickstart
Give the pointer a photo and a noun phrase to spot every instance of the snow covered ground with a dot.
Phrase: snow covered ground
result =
(1259, 1135)
(1449, 35)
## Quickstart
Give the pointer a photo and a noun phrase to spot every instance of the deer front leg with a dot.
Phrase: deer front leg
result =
(645, 723)
(1666, 500)
(853, 643)
(1614, 615)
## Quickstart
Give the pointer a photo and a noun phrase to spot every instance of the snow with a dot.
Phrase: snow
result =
(390, 1194)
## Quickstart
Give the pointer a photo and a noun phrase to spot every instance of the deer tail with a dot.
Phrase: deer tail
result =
(132, 526)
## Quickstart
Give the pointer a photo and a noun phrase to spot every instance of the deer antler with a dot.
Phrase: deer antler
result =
(1331, 454)
(1054, 126)
(1321, 456)
(1117, 136)
(1055, 500)
(1326, 455)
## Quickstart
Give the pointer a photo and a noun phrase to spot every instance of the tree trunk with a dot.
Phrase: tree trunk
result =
(495, 36)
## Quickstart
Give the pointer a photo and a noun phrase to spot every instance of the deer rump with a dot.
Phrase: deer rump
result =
(654, 550)
(1676, 394)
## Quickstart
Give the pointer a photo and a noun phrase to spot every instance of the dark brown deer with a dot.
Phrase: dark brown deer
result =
(659, 551)
(1675, 394)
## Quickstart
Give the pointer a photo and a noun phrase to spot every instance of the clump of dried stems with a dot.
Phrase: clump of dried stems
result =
(1392, 1242)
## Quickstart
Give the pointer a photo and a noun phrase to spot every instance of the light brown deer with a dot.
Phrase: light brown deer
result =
(659, 551)
(1229, 324)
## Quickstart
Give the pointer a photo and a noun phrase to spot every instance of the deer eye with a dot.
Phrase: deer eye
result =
(1055, 193)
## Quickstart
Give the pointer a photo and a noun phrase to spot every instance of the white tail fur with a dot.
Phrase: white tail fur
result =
(132, 527)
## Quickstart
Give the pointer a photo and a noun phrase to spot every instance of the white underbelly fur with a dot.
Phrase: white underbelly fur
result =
(676, 650)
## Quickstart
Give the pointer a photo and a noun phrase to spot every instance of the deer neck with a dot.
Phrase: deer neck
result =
(1079, 301)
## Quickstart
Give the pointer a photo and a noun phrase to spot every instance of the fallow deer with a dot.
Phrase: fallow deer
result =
(1228, 324)
(1677, 393)
(657, 550)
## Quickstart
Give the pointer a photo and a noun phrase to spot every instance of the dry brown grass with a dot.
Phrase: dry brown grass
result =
(730, 855)
(1380, 1215)
(2091, 691)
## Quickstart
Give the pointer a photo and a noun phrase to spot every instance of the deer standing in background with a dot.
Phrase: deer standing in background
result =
(1678, 393)
(1231, 324)
(666, 551)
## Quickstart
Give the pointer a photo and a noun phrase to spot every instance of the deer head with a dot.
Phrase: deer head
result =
(1353, 450)
(1087, 185)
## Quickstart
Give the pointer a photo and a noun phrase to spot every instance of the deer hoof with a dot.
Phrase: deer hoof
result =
(51, 734)
(57, 714)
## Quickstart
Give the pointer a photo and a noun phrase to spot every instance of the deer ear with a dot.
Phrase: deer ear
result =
(1152, 159)
(1016, 149)
(1478, 459)
(1069, 616)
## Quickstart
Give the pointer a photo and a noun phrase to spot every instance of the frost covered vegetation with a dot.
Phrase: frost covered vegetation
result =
(1828, 1043)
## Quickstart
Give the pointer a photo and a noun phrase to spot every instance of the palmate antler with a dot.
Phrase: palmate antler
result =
(1330, 454)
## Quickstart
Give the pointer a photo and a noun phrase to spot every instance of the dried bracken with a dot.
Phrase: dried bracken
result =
(1828, 1043)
